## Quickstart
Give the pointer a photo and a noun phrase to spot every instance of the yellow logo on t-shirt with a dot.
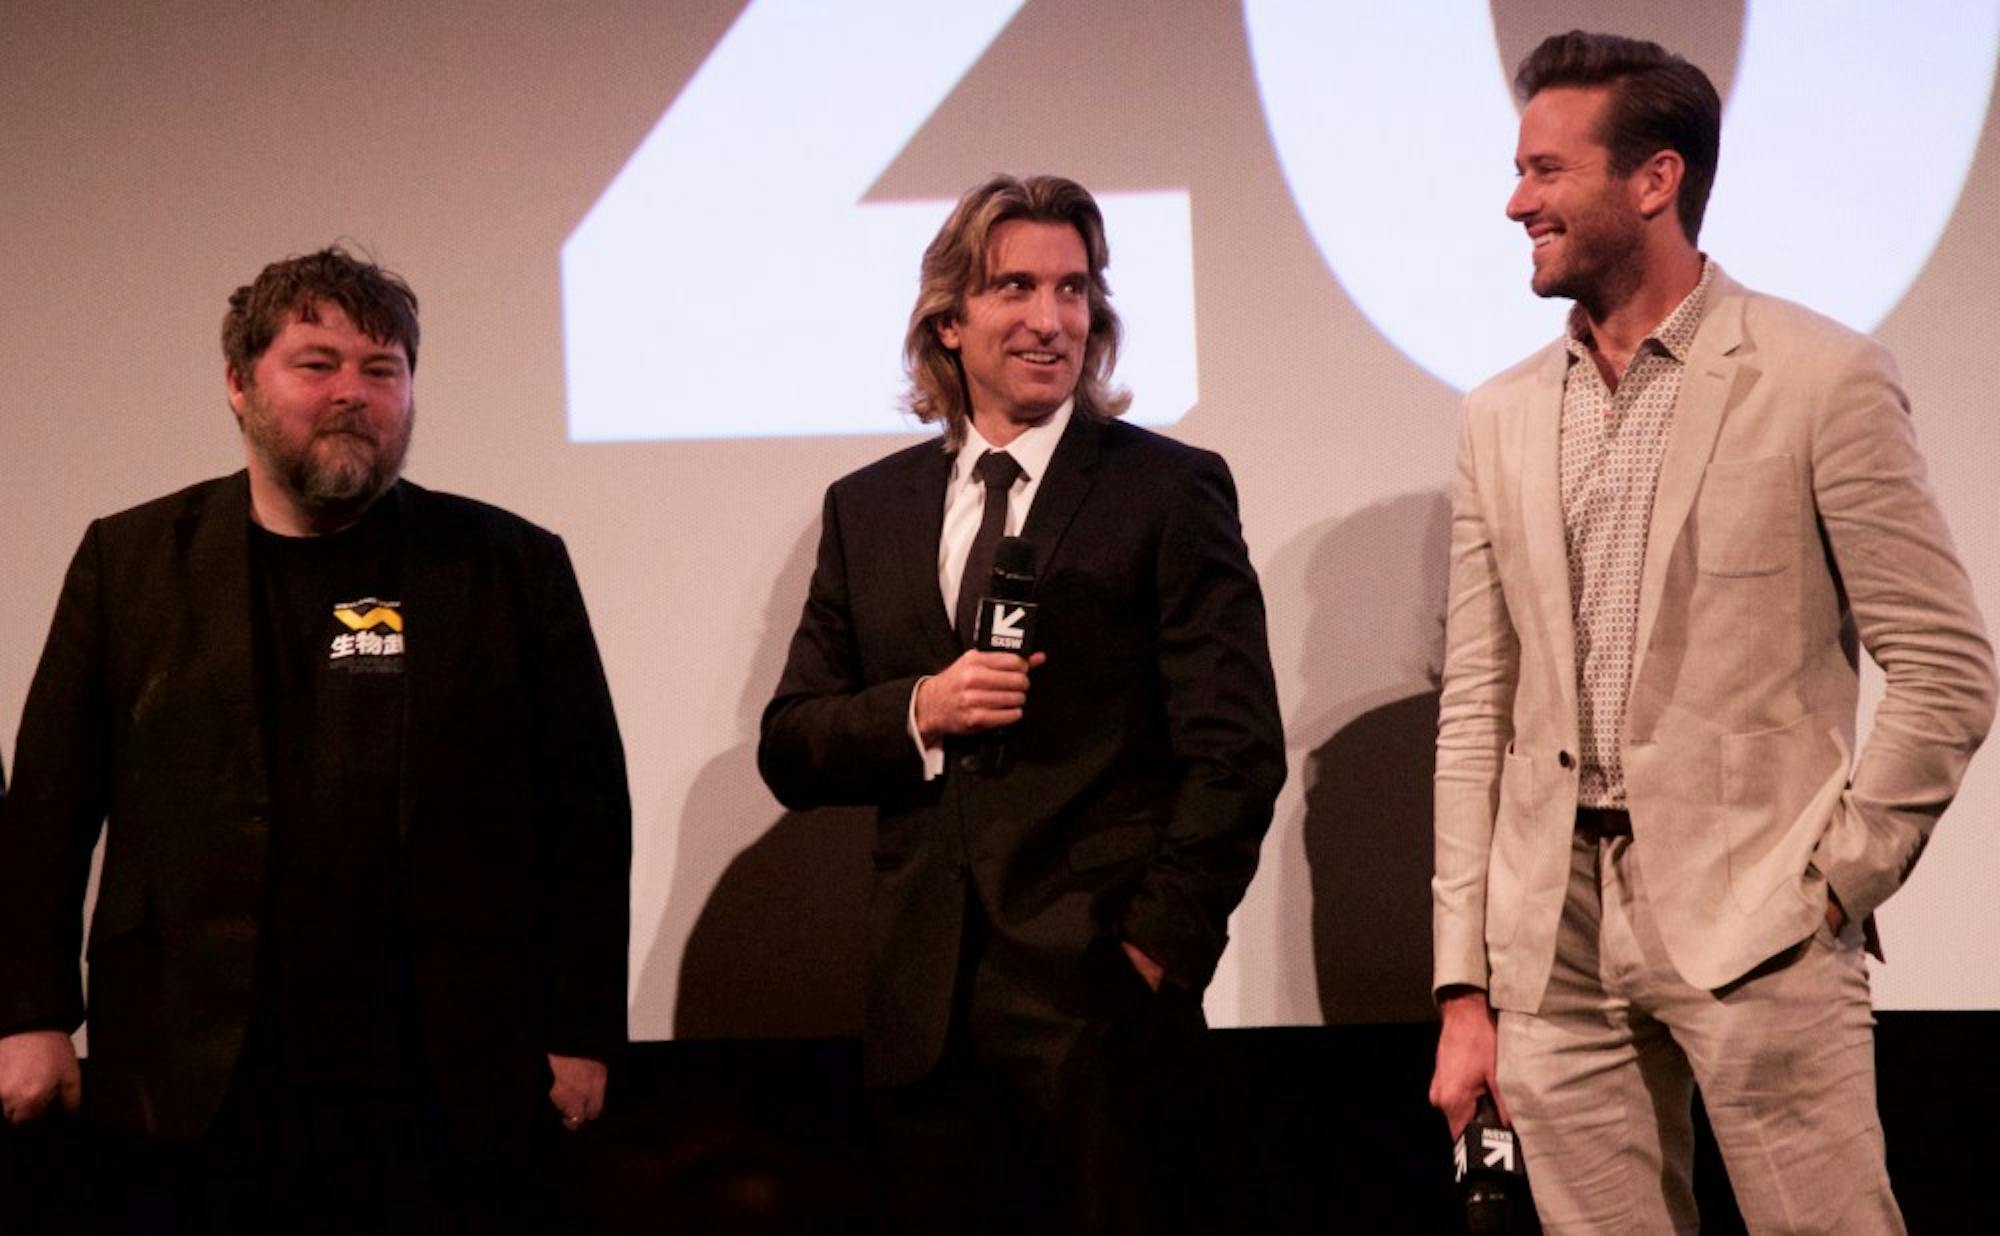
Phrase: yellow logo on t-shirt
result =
(362, 638)
(377, 614)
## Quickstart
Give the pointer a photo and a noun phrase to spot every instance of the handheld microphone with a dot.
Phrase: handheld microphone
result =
(1486, 1163)
(1005, 623)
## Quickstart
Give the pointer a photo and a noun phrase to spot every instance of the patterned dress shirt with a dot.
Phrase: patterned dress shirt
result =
(1612, 445)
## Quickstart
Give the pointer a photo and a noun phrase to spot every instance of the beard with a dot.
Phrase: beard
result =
(1602, 264)
(340, 464)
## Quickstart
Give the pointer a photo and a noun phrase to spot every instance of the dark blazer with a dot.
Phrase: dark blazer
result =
(514, 813)
(1141, 778)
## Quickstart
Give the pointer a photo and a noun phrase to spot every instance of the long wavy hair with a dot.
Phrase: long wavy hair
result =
(955, 266)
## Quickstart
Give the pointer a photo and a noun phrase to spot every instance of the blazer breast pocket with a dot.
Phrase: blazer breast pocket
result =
(1746, 516)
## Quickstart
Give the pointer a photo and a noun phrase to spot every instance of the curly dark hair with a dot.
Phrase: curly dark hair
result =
(377, 301)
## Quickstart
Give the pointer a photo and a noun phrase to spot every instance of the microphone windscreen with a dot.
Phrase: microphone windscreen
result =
(1015, 555)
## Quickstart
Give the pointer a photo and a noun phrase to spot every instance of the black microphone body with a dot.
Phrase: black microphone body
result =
(1486, 1162)
(1006, 623)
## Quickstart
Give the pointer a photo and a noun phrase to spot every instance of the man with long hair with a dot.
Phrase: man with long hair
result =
(1061, 835)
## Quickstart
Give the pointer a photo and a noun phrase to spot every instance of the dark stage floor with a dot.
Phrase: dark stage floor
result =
(725, 1138)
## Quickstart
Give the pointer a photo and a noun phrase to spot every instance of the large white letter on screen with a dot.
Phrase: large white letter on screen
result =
(730, 282)
(1845, 144)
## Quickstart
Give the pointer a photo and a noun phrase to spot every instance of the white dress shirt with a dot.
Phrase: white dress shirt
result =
(964, 503)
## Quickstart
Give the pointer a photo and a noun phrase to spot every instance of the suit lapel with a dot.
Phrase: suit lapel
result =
(1540, 444)
(1062, 491)
(220, 618)
(1698, 415)
(434, 589)
(917, 525)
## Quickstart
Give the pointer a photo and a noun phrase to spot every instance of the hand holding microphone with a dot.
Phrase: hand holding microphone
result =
(986, 689)
(980, 691)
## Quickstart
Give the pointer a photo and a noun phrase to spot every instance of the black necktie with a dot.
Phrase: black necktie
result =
(999, 471)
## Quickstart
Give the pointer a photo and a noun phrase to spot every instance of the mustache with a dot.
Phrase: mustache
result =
(353, 423)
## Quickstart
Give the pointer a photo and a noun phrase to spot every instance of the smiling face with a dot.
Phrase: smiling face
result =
(1582, 218)
(1021, 335)
(326, 413)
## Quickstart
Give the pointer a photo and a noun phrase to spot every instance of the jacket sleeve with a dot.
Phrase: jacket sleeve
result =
(1475, 711)
(1913, 607)
(1225, 734)
(50, 821)
(583, 820)
(831, 737)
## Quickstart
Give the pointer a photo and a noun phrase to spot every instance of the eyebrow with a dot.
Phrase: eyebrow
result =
(381, 352)
(1002, 276)
(1544, 160)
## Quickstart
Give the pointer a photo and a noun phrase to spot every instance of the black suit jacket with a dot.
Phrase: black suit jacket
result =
(515, 820)
(1141, 778)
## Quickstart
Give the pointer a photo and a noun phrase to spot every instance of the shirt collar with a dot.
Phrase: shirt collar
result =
(1032, 450)
(1675, 333)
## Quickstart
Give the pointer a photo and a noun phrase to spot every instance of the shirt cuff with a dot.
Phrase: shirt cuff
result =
(933, 757)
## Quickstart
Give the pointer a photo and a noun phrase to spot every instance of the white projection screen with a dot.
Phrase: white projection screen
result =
(665, 253)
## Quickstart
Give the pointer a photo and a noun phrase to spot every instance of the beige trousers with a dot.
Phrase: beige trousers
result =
(1600, 1080)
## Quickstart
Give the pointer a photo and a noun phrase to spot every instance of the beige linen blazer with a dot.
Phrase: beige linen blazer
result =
(1792, 515)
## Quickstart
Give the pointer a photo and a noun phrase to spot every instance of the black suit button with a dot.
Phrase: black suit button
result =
(1566, 759)
(969, 762)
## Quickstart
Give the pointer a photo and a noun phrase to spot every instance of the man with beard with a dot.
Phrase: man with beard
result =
(1659, 849)
(358, 951)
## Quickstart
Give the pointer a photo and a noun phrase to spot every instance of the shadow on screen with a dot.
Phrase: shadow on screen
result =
(763, 940)
(1374, 645)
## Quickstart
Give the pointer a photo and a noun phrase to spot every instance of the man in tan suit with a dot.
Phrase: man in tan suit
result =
(1658, 844)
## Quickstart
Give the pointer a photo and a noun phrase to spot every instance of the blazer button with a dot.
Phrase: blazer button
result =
(969, 762)
(1565, 759)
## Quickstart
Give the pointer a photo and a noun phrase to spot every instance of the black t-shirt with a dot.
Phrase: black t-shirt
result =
(334, 1001)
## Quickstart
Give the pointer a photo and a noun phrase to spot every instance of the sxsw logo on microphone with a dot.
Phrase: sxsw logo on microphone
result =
(1006, 626)
(1491, 1145)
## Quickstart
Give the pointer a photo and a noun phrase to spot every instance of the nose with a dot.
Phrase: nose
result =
(1043, 317)
(1522, 201)
(349, 387)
